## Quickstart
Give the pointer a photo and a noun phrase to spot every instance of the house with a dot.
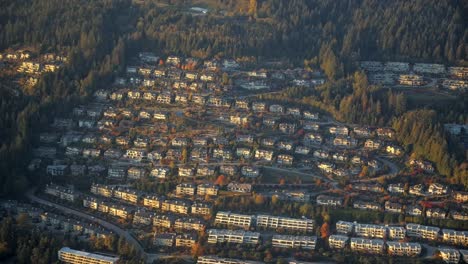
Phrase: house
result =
(57, 170)
(245, 139)
(302, 150)
(180, 142)
(205, 171)
(371, 144)
(394, 150)
(414, 210)
(436, 213)
(241, 104)
(393, 207)
(250, 171)
(437, 189)
(422, 164)
(160, 172)
(396, 188)
(364, 205)
(186, 171)
(116, 172)
(112, 153)
(294, 111)
(285, 145)
(262, 154)
(228, 170)
(311, 115)
(362, 131)
(276, 108)
(284, 159)
(288, 241)
(329, 200)
(460, 196)
(326, 167)
(347, 142)
(385, 132)
(312, 138)
(321, 154)
(417, 189)
(136, 154)
(340, 157)
(340, 130)
(310, 126)
(287, 128)
(155, 156)
(239, 187)
(259, 107)
(223, 154)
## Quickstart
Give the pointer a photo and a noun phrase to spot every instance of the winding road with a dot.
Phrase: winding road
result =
(149, 257)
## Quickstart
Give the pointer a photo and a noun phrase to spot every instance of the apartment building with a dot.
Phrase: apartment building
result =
(186, 189)
(102, 190)
(63, 193)
(403, 249)
(343, 227)
(207, 189)
(233, 236)
(286, 241)
(455, 237)
(201, 208)
(369, 230)
(421, 231)
(164, 239)
(68, 255)
(175, 206)
(185, 240)
(338, 241)
(279, 222)
(126, 194)
(164, 221)
(189, 224)
(231, 219)
(396, 232)
(374, 246)
(219, 260)
(450, 255)
(329, 200)
(152, 201)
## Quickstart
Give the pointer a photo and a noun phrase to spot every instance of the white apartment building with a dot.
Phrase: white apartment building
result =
(396, 232)
(233, 236)
(455, 237)
(367, 245)
(286, 241)
(231, 219)
(403, 249)
(275, 222)
(219, 260)
(369, 230)
(338, 241)
(68, 255)
(343, 227)
(420, 231)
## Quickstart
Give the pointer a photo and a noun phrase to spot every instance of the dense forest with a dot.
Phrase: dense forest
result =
(369, 29)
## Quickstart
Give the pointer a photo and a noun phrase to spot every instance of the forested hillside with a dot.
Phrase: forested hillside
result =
(87, 33)
(369, 29)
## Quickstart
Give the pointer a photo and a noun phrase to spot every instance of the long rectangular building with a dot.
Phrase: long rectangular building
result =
(275, 222)
(304, 242)
(218, 260)
(68, 255)
(233, 236)
(231, 219)
(404, 249)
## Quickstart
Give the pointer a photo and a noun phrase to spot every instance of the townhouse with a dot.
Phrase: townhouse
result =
(421, 231)
(365, 205)
(207, 189)
(102, 190)
(343, 227)
(199, 208)
(163, 221)
(183, 189)
(185, 240)
(127, 195)
(369, 230)
(396, 232)
(64, 193)
(152, 201)
(455, 237)
(175, 206)
(143, 217)
(164, 239)
(189, 224)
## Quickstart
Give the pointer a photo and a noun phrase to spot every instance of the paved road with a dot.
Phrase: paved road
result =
(149, 257)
